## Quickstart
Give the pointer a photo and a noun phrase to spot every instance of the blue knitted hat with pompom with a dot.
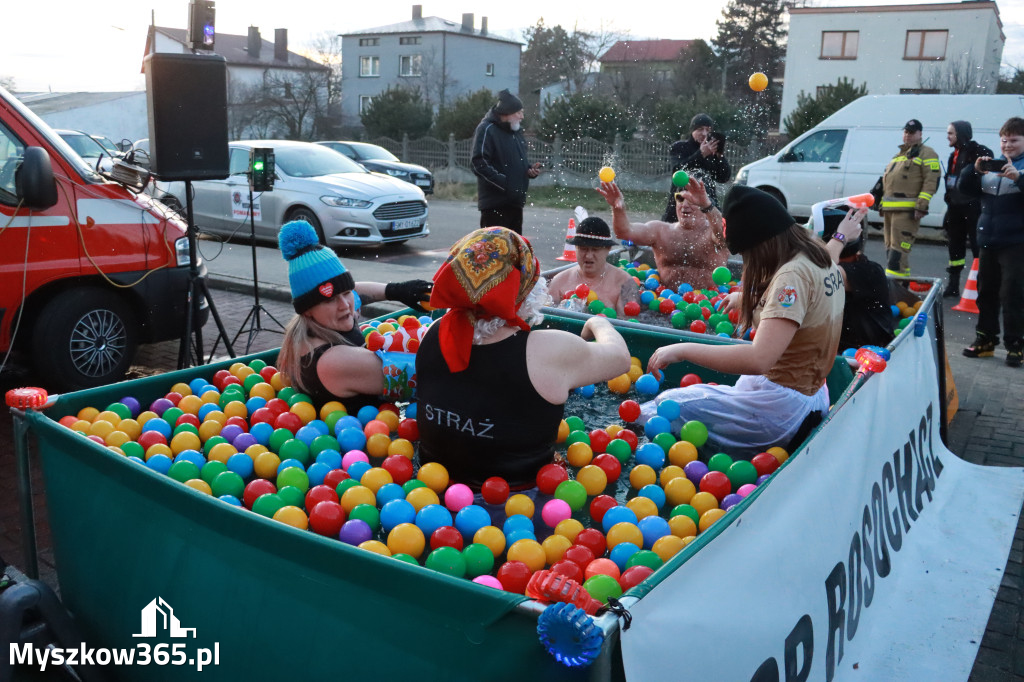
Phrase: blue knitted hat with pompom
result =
(315, 273)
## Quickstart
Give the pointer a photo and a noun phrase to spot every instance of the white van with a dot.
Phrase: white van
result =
(844, 154)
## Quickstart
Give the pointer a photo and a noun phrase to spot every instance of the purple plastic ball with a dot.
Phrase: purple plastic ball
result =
(695, 471)
(762, 479)
(243, 440)
(230, 432)
(160, 405)
(132, 404)
(355, 532)
(730, 499)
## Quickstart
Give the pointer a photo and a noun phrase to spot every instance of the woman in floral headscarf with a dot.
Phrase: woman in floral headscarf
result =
(491, 391)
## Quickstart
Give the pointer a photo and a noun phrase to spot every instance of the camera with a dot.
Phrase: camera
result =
(993, 165)
(720, 139)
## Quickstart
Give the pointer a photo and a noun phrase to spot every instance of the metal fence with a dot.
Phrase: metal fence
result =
(639, 164)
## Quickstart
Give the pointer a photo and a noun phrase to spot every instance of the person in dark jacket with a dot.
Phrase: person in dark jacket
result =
(962, 211)
(499, 160)
(1001, 242)
(700, 156)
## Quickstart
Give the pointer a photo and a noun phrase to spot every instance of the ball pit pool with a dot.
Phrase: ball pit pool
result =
(299, 591)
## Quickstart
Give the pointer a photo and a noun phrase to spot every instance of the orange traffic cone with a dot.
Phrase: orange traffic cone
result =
(967, 301)
(569, 252)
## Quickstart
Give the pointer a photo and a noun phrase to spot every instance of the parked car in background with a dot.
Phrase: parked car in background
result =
(346, 204)
(380, 160)
(91, 151)
(112, 147)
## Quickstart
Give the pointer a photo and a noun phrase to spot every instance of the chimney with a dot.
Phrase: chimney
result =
(280, 44)
(467, 22)
(417, 12)
(253, 48)
(483, 26)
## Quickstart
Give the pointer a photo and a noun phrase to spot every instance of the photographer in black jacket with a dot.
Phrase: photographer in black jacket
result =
(962, 211)
(499, 160)
(701, 155)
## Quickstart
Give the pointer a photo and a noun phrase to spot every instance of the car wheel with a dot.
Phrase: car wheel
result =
(775, 193)
(309, 217)
(84, 337)
(172, 202)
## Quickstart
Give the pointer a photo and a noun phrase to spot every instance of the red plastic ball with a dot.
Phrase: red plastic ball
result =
(494, 490)
(633, 576)
(550, 476)
(255, 488)
(734, 316)
(631, 308)
(277, 406)
(446, 536)
(96, 439)
(335, 476)
(188, 418)
(320, 493)
(389, 407)
(288, 420)
(326, 518)
(409, 430)
(666, 306)
(706, 312)
(765, 463)
(629, 437)
(263, 415)
(579, 555)
(513, 576)
(568, 294)
(688, 297)
(569, 569)
(399, 466)
(716, 483)
(592, 539)
(599, 440)
(599, 505)
(232, 380)
(689, 380)
(698, 326)
(174, 397)
(236, 421)
(582, 290)
(611, 466)
(219, 377)
(629, 410)
(268, 373)
(149, 438)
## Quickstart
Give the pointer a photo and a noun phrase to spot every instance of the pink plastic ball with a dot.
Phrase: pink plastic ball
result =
(353, 456)
(746, 489)
(555, 511)
(458, 496)
(489, 581)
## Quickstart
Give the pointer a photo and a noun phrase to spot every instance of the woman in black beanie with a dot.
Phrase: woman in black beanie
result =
(792, 300)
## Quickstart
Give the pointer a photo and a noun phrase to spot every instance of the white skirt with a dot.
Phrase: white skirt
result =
(744, 419)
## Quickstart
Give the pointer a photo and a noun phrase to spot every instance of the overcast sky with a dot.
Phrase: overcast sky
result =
(71, 45)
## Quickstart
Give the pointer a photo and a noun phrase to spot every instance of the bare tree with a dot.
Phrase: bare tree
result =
(294, 100)
(325, 49)
(437, 84)
(960, 75)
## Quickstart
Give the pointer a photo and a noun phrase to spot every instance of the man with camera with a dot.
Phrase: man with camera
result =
(701, 155)
(962, 211)
(908, 184)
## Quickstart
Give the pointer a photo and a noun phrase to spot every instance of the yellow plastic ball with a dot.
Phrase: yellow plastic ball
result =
(620, 384)
(265, 464)
(116, 450)
(682, 526)
(709, 517)
(331, 406)
(377, 446)
(389, 418)
(633, 360)
(519, 504)
(529, 552)
(569, 529)
(563, 431)
(190, 404)
(185, 440)
(131, 427)
(688, 540)
(243, 371)
(200, 485)
(216, 416)
(421, 497)
(669, 473)
(606, 174)
(375, 478)
(668, 546)
(158, 449)
(635, 372)
(434, 475)
(643, 507)
(591, 296)
(255, 450)
(579, 454)
(492, 537)
(263, 390)
(236, 408)
(101, 428)
(304, 411)
(682, 453)
(613, 430)
(757, 81)
(778, 453)
(221, 452)
(279, 381)
(401, 446)
(88, 413)
(357, 495)
(209, 429)
(406, 538)
(146, 416)
(624, 532)
(702, 502)
(181, 388)
(554, 547)
(110, 416)
(236, 367)
(679, 491)
(211, 396)
(642, 475)
(593, 479)
(644, 267)
(118, 438)
(375, 546)
(292, 516)
(81, 426)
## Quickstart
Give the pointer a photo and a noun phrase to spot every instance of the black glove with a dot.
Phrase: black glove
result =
(411, 292)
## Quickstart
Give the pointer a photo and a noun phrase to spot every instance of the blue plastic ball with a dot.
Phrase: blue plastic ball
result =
(159, 425)
(331, 458)
(895, 311)
(357, 469)
(307, 434)
(432, 517)
(205, 409)
(262, 431)
(685, 288)
(647, 385)
(617, 515)
(347, 422)
(646, 297)
(231, 499)
(289, 463)
(621, 552)
(652, 455)
(850, 352)
(196, 385)
(389, 492)
(396, 512)
(654, 493)
(410, 411)
(159, 463)
(254, 403)
(651, 284)
(320, 426)
(351, 439)
(586, 391)
(653, 527)
(517, 535)
(367, 413)
(241, 464)
(470, 519)
(191, 456)
(655, 425)
(669, 409)
(316, 472)
(137, 460)
(517, 522)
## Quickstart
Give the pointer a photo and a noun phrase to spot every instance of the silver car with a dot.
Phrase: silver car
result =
(348, 205)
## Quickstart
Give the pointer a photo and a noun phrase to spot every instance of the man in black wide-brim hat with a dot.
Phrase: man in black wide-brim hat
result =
(612, 285)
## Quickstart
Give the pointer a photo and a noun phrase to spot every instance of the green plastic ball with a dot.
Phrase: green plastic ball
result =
(344, 485)
(171, 415)
(124, 412)
(666, 440)
(133, 449)
(644, 557)
(183, 470)
(251, 381)
(278, 438)
(740, 473)
(654, 305)
(602, 586)
(447, 560)
(577, 437)
(286, 393)
(610, 313)
(184, 427)
(573, 493)
(679, 320)
(725, 327)
(619, 449)
(367, 513)
(575, 423)
(293, 448)
(685, 510)
(291, 496)
(212, 470)
(267, 505)
(333, 418)
(694, 432)
(294, 476)
(227, 483)
(595, 306)
(321, 443)
(479, 559)
(257, 365)
(408, 486)
(299, 398)
(406, 558)
(721, 275)
(693, 312)
(720, 462)
(680, 178)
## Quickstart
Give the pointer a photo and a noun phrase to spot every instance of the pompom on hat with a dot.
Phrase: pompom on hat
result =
(488, 273)
(751, 217)
(315, 273)
(507, 103)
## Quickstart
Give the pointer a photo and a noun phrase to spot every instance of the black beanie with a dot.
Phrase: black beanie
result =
(507, 103)
(700, 121)
(751, 217)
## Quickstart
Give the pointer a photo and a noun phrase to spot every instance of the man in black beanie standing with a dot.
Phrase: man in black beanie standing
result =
(502, 170)
(701, 156)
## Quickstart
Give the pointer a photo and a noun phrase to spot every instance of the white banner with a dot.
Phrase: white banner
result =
(875, 554)
(240, 204)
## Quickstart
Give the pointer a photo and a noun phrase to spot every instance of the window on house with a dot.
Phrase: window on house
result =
(839, 44)
(364, 103)
(926, 45)
(489, 70)
(409, 40)
(369, 42)
(369, 67)
(410, 65)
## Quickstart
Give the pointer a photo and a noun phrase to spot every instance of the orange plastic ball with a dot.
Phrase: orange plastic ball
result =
(118, 438)
(101, 428)
(216, 416)
(757, 81)
(255, 450)
(185, 440)
(668, 546)
(236, 408)
(265, 465)
(601, 567)
(642, 475)
(643, 507)
(181, 388)
(682, 453)
(709, 517)
(679, 491)
(88, 413)
(263, 390)
(492, 537)
(669, 473)
(613, 430)
(304, 411)
(108, 416)
(778, 453)
(389, 418)
(634, 373)
(279, 381)
(421, 497)
(682, 526)
(620, 384)
(377, 445)
(406, 538)
(292, 516)
(209, 429)
(375, 426)
(579, 454)
(554, 547)
(190, 404)
(158, 449)
(357, 495)
(401, 446)
(703, 502)
(563, 431)
(529, 552)
(593, 478)
(519, 504)
(211, 396)
(221, 452)
(146, 416)
(375, 546)
(200, 485)
(569, 529)
(375, 478)
(434, 475)
(624, 532)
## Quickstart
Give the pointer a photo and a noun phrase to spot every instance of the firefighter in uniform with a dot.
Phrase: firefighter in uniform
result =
(908, 184)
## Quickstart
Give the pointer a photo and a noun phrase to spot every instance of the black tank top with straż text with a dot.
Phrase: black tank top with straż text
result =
(487, 420)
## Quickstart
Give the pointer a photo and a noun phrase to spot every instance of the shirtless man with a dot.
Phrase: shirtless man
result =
(686, 251)
(613, 286)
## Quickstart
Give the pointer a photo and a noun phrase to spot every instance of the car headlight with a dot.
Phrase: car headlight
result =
(181, 252)
(396, 173)
(345, 202)
(741, 177)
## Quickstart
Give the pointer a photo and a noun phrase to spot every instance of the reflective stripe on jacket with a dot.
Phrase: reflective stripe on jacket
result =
(911, 178)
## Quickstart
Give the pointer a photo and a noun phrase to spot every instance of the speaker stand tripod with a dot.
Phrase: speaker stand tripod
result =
(252, 323)
(192, 339)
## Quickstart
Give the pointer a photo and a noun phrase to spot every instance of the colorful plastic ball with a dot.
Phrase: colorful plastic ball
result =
(326, 518)
(592, 539)
(633, 576)
(742, 472)
(716, 483)
(489, 581)
(709, 517)
(578, 455)
(457, 496)
(653, 528)
(764, 463)
(702, 502)
(757, 81)
(602, 586)
(650, 455)
(647, 384)
(494, 490)
(519, 505)
(555, 511)
(720, 462)
(680, 178)
(419, 496)
(572, 492)
(695, 471)
(528, 551)
(643, 474)
(579, 555)
(446, 536)
(694, 432)
(409, 429)
(606, 174)
(513, 576)
(730, 500)
(435, 475)
(624, 532)
(620, 553)
(406, 538)
(645, 557)
(160, 463)
(620, 384)
(629, 411)
(655, 493)
(492, 537)
(601, 567)
(351, 439)
(432, 517)
(551, 475)
(479, 562)
(599, 505)
(569, 529)
(682, 453)
(683, 525)
(470, 519)
(616, 515)
(656, 425)
(669, 409)
(618, 448)
(395, 513)
(267, 505)
(593, 479)
(367, 414)
(367, 513)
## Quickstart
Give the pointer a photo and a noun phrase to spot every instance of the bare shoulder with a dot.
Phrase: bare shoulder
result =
(554, 342)
(559, 282)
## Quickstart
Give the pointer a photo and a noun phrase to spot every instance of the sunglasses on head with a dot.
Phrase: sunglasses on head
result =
(680, 196)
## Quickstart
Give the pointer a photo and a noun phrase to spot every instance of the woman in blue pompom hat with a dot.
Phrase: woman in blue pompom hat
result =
(323, 352)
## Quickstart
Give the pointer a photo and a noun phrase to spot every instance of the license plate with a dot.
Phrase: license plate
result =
(423, 183)
(406, 224)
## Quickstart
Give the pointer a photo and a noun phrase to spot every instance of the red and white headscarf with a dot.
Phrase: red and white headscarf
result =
(488, 273)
